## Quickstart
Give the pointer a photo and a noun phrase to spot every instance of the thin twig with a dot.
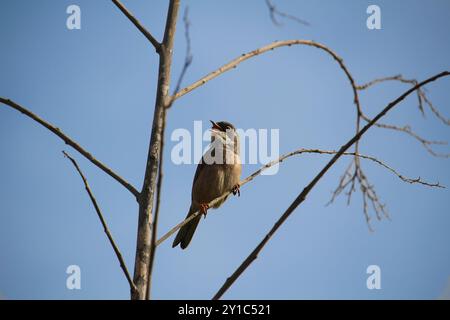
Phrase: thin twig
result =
(103, 222)
(398, 78)
(436, 112)
(273, 11)
(400, 176)
(422, 99)
(284, 157)
(354, 174)
(138, 25)
(302, 196)
(407, 129)
(188, 56)
(69, 141)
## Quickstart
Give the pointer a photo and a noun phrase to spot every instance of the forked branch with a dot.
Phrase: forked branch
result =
(187, 63)
(103, 222)
(69, 141)
(354, 174)
(145, 222)
(423, 102)
(302, 196)
(274, 13)
(138, 25)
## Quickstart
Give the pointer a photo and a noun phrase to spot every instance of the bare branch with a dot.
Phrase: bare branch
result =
(400, 176)
(144, 234)
(277, 44)
(157, 208)
(138, 25)
(187, 59)
(281, 159)
(434, 109)
(103, 222)
(273, 11)
(187, 63)
(407, 129)
(71, 143)
(348, 178)
(302, 196)
(398, 78)
(421, 95)
(355, 175)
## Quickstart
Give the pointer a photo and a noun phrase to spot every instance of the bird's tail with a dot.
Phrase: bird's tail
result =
(186, 232)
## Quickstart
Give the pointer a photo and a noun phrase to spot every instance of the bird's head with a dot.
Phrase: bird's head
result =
(225, 137)
(224, 131)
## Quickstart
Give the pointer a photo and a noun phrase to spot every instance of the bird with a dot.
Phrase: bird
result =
(218, 171)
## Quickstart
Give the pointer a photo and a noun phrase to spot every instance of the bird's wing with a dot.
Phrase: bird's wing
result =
(201, 165)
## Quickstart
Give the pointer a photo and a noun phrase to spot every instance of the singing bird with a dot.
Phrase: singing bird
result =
(219, 171)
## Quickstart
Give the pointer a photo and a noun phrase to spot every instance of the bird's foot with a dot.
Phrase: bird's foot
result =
(204, 208)
(236, 190)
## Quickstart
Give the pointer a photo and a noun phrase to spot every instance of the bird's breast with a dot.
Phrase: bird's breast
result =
(214, 180)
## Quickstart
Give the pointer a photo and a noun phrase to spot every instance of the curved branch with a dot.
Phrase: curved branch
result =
(302, 196)
(277, 44)
(103, 222)
(284, 157)
(138, 25)
(71, 143)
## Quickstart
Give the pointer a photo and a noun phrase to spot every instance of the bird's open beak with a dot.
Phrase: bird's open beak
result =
(215, 126)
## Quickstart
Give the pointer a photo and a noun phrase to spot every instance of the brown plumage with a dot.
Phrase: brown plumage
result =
(218, 171)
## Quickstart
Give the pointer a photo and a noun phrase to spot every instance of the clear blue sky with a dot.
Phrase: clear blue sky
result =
(98, 85)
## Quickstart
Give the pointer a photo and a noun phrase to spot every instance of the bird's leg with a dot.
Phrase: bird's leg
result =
(236, 189)
(204, 208)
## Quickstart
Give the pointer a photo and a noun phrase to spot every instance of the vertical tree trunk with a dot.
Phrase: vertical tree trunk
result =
(148, 189)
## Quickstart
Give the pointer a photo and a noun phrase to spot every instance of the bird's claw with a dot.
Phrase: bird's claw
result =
(236, 189)
(204, 208)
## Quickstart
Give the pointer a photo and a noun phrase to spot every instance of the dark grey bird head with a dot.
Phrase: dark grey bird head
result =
(222, 126)
(226, 134)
